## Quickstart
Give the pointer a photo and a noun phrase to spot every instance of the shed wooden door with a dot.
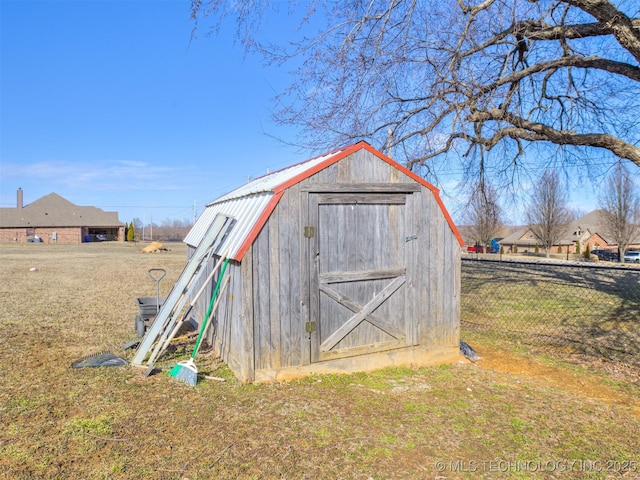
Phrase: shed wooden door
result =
(358, 273)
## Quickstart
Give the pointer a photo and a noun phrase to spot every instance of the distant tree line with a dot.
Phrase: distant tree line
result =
(170, 230)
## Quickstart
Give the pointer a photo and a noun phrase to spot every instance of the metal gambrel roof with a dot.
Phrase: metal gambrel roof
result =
(251, 204)
(248, 203)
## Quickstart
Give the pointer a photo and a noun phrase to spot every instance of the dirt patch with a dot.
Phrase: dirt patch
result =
(557, 377)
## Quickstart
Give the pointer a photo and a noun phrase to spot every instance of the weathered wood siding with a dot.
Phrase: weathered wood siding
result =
(278, 286)
(260, 326)
(282, 261)
(436, 274)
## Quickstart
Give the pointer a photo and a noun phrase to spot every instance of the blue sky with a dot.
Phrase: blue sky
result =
(113, 104)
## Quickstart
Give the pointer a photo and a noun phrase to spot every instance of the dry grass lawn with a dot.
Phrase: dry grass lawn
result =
(508, 416)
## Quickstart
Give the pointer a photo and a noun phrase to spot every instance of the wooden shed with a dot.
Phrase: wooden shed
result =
(346, 262)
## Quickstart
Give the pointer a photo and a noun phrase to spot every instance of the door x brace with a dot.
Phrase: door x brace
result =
(362, 313)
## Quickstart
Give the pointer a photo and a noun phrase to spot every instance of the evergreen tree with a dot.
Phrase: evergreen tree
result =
(131, 233)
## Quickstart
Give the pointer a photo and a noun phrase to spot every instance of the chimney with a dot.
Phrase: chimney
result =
(20, 203)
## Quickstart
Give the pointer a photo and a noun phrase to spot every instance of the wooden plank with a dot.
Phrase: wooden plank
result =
(413, 245)
(288, 303)
(366, 310)
(404, 187)
(261, 273)
(362, 198)
(423, 302)
(452, 283)
(297, 294)
(274, 285)
(313, 260)
(361, 275)
(245, 328)
(383, 324)
(304, 268)
(437, 272)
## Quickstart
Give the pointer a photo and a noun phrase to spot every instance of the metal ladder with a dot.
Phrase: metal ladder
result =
(171, 309)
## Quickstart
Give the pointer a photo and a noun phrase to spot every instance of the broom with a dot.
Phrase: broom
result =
(186, 371)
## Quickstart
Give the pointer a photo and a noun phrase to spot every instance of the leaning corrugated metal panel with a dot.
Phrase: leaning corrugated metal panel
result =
(199, 228)
(245, 210)
(246, 204)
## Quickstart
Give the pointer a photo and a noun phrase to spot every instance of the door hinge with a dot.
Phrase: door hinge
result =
(309, 231)
(310, 327)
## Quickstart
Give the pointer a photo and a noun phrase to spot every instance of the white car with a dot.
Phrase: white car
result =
(632, 257)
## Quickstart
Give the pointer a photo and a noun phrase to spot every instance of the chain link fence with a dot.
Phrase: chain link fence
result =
(569, 308)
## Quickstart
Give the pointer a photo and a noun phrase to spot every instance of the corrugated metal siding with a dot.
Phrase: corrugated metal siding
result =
(273, 180)
(245, 210)
(247, 203)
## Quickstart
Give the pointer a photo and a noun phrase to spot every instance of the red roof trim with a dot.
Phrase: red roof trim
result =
(422, 181)
(342, 153)
(321, 166)
(264, 216)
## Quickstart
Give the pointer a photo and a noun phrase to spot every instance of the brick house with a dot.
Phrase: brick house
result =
(53, 219)
(586, 230)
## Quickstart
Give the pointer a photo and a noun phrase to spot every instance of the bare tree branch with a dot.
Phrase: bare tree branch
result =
(621, 26)
(455, 79)
(536, 132)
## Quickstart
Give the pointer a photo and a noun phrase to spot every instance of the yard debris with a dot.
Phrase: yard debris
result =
(102, 359)
(153, 247)
(468, 352)
(33, 269)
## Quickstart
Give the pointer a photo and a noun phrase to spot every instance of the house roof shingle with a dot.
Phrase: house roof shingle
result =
(590, 224)
(55, 211)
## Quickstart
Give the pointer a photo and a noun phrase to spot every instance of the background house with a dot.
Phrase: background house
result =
(53, 219)
(586, 230)
(345, 262)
